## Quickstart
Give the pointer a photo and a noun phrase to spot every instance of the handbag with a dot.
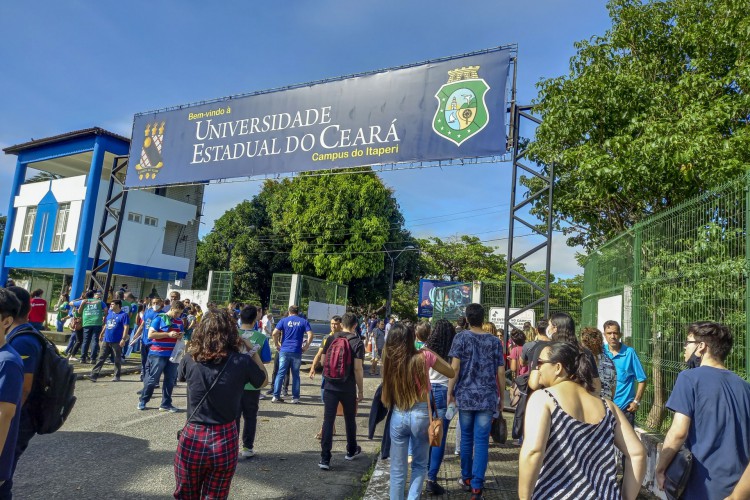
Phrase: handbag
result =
(75, 324)
(435, 429)
(499, 430)
(179, 432)
(677, 474)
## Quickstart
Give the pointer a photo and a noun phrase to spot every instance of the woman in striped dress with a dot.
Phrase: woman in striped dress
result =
(571, 436)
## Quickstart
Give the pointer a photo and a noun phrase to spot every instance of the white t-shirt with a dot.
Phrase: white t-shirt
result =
(267, 324)
(438, 378)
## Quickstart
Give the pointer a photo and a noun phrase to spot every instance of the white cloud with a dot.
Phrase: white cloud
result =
(563, 263)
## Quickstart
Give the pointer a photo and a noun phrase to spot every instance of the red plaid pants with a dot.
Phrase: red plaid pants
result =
(205, 461)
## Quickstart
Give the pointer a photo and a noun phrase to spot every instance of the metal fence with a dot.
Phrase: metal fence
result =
(221, 287)
(686, 264)
(306, 289)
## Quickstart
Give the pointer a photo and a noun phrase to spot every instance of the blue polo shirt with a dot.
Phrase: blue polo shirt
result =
(629, 373)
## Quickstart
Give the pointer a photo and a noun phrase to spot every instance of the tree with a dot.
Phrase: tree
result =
(3, 221)
(337, 225)
(651, 113)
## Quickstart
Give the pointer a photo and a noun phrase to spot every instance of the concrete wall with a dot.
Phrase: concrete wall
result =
(199, 297)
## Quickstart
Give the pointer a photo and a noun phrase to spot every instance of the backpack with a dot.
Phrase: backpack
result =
(52, 397)
(339, 359)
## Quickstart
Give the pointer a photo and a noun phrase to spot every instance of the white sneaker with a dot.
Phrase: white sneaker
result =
(295, 401)
(247, 452)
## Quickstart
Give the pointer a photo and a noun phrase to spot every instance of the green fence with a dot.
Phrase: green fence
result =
(448, 303)
(221, 287)
(686, 264)
(307, 289)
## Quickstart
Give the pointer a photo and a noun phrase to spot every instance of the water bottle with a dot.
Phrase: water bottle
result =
(450, 412)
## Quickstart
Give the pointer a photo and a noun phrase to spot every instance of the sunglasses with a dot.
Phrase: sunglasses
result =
(540, 362)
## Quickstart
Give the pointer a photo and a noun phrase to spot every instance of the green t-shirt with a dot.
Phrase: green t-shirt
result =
(257, 338)
(92, 312)
(62, 311)
(132, 309)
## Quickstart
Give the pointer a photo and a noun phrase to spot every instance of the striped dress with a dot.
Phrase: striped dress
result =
(579, 461)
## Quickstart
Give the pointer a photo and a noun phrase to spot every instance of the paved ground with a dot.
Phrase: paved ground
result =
(109, 449)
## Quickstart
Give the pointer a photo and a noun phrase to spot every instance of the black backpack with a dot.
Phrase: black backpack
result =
(52, 396)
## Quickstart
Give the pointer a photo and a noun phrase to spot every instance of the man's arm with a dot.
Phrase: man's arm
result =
(672, 443)
(138, 333)
(125, 335)
(306, 346)
(28, 383)
(318, 358)
(633, 406)
(276, 337)
(359, 373)
(742, 490)
(501, 388)
(7, 412)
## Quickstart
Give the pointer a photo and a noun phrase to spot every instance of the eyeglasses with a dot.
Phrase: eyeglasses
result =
(688, 342)
(540, 362)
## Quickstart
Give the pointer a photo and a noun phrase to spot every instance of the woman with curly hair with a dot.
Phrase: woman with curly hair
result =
(406, 389)
(216, 373)
(439, 342)
(591, 338)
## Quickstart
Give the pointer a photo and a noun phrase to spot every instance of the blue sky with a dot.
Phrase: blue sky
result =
(75, 64)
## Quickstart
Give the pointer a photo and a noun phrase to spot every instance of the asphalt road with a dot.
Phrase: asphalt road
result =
(109, 450)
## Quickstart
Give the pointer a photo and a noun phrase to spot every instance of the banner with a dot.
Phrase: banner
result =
(441, 110)
(451, 303)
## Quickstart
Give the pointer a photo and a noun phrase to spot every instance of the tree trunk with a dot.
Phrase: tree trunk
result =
(656, 414)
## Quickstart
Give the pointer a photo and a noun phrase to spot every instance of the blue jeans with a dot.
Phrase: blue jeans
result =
(90, 334)
(475, 444)
(440, 393)
(409, 426)
(160, 364)
(286, 359)
(38, 326)
(60, 325)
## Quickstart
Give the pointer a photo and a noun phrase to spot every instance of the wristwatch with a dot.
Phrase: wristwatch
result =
(637, 403)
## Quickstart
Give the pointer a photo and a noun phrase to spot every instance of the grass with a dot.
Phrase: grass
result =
(365, 479)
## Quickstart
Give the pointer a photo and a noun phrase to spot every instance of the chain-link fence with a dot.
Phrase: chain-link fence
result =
(687, 264)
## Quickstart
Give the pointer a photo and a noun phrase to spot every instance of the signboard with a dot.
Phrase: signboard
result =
(497, 317)
(438, 110)
(321, 311)
(451, 302)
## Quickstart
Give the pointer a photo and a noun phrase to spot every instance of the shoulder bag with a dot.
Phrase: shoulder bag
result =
(678, 473)
(435, 430)
(179, 433)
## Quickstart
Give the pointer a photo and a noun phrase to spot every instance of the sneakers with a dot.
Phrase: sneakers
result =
(141, 405)
(285, 393)
(93, 379)
(247, 452)
(269, 392)
(277, 400)
(261, 396)
(433, 488)
(170, 409)
(295, 401)
(116, 379)
(72, 358)
(353, 455)
(465, 484)
(324, 464)
(476, 494)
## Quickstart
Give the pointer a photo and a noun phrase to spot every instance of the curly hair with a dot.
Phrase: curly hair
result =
(591, 338)
(404, 369)
(214, 337)
(490, 328)
(441, 338)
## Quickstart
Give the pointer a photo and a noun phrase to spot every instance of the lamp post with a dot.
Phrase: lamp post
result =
(393, 266)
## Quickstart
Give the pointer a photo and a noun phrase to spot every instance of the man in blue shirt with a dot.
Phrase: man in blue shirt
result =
(629, 371)
(113, 339)
(11, 386)
(27, 345)
(711, 408)
(288, 337)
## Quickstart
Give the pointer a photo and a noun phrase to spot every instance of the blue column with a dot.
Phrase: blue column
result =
(86, 226)
(18, 179)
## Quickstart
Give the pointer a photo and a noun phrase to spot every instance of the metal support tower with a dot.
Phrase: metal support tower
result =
(518, 213)
(115, 215)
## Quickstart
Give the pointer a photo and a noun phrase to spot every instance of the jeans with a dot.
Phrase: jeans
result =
(90, 334)
(71, 344)
(160, 364)
(131, 348)
(287, 359)
(331, 400)
(475, 443)
(107, 349)
(145, 366)
(60, 325)
(409, 426)
(38, 326)
(276, 372)
(440, 393)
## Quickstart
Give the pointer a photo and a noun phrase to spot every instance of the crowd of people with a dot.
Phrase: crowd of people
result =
(578, 393)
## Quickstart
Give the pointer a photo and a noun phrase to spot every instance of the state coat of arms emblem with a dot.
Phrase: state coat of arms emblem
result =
(462, 111)
(151, 160)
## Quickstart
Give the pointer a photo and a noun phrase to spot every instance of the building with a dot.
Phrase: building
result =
(52, 225)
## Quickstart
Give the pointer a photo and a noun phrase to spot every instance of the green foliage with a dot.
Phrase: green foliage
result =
(3, 220)
(651, 113)
(405, 299)
(461, 259)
